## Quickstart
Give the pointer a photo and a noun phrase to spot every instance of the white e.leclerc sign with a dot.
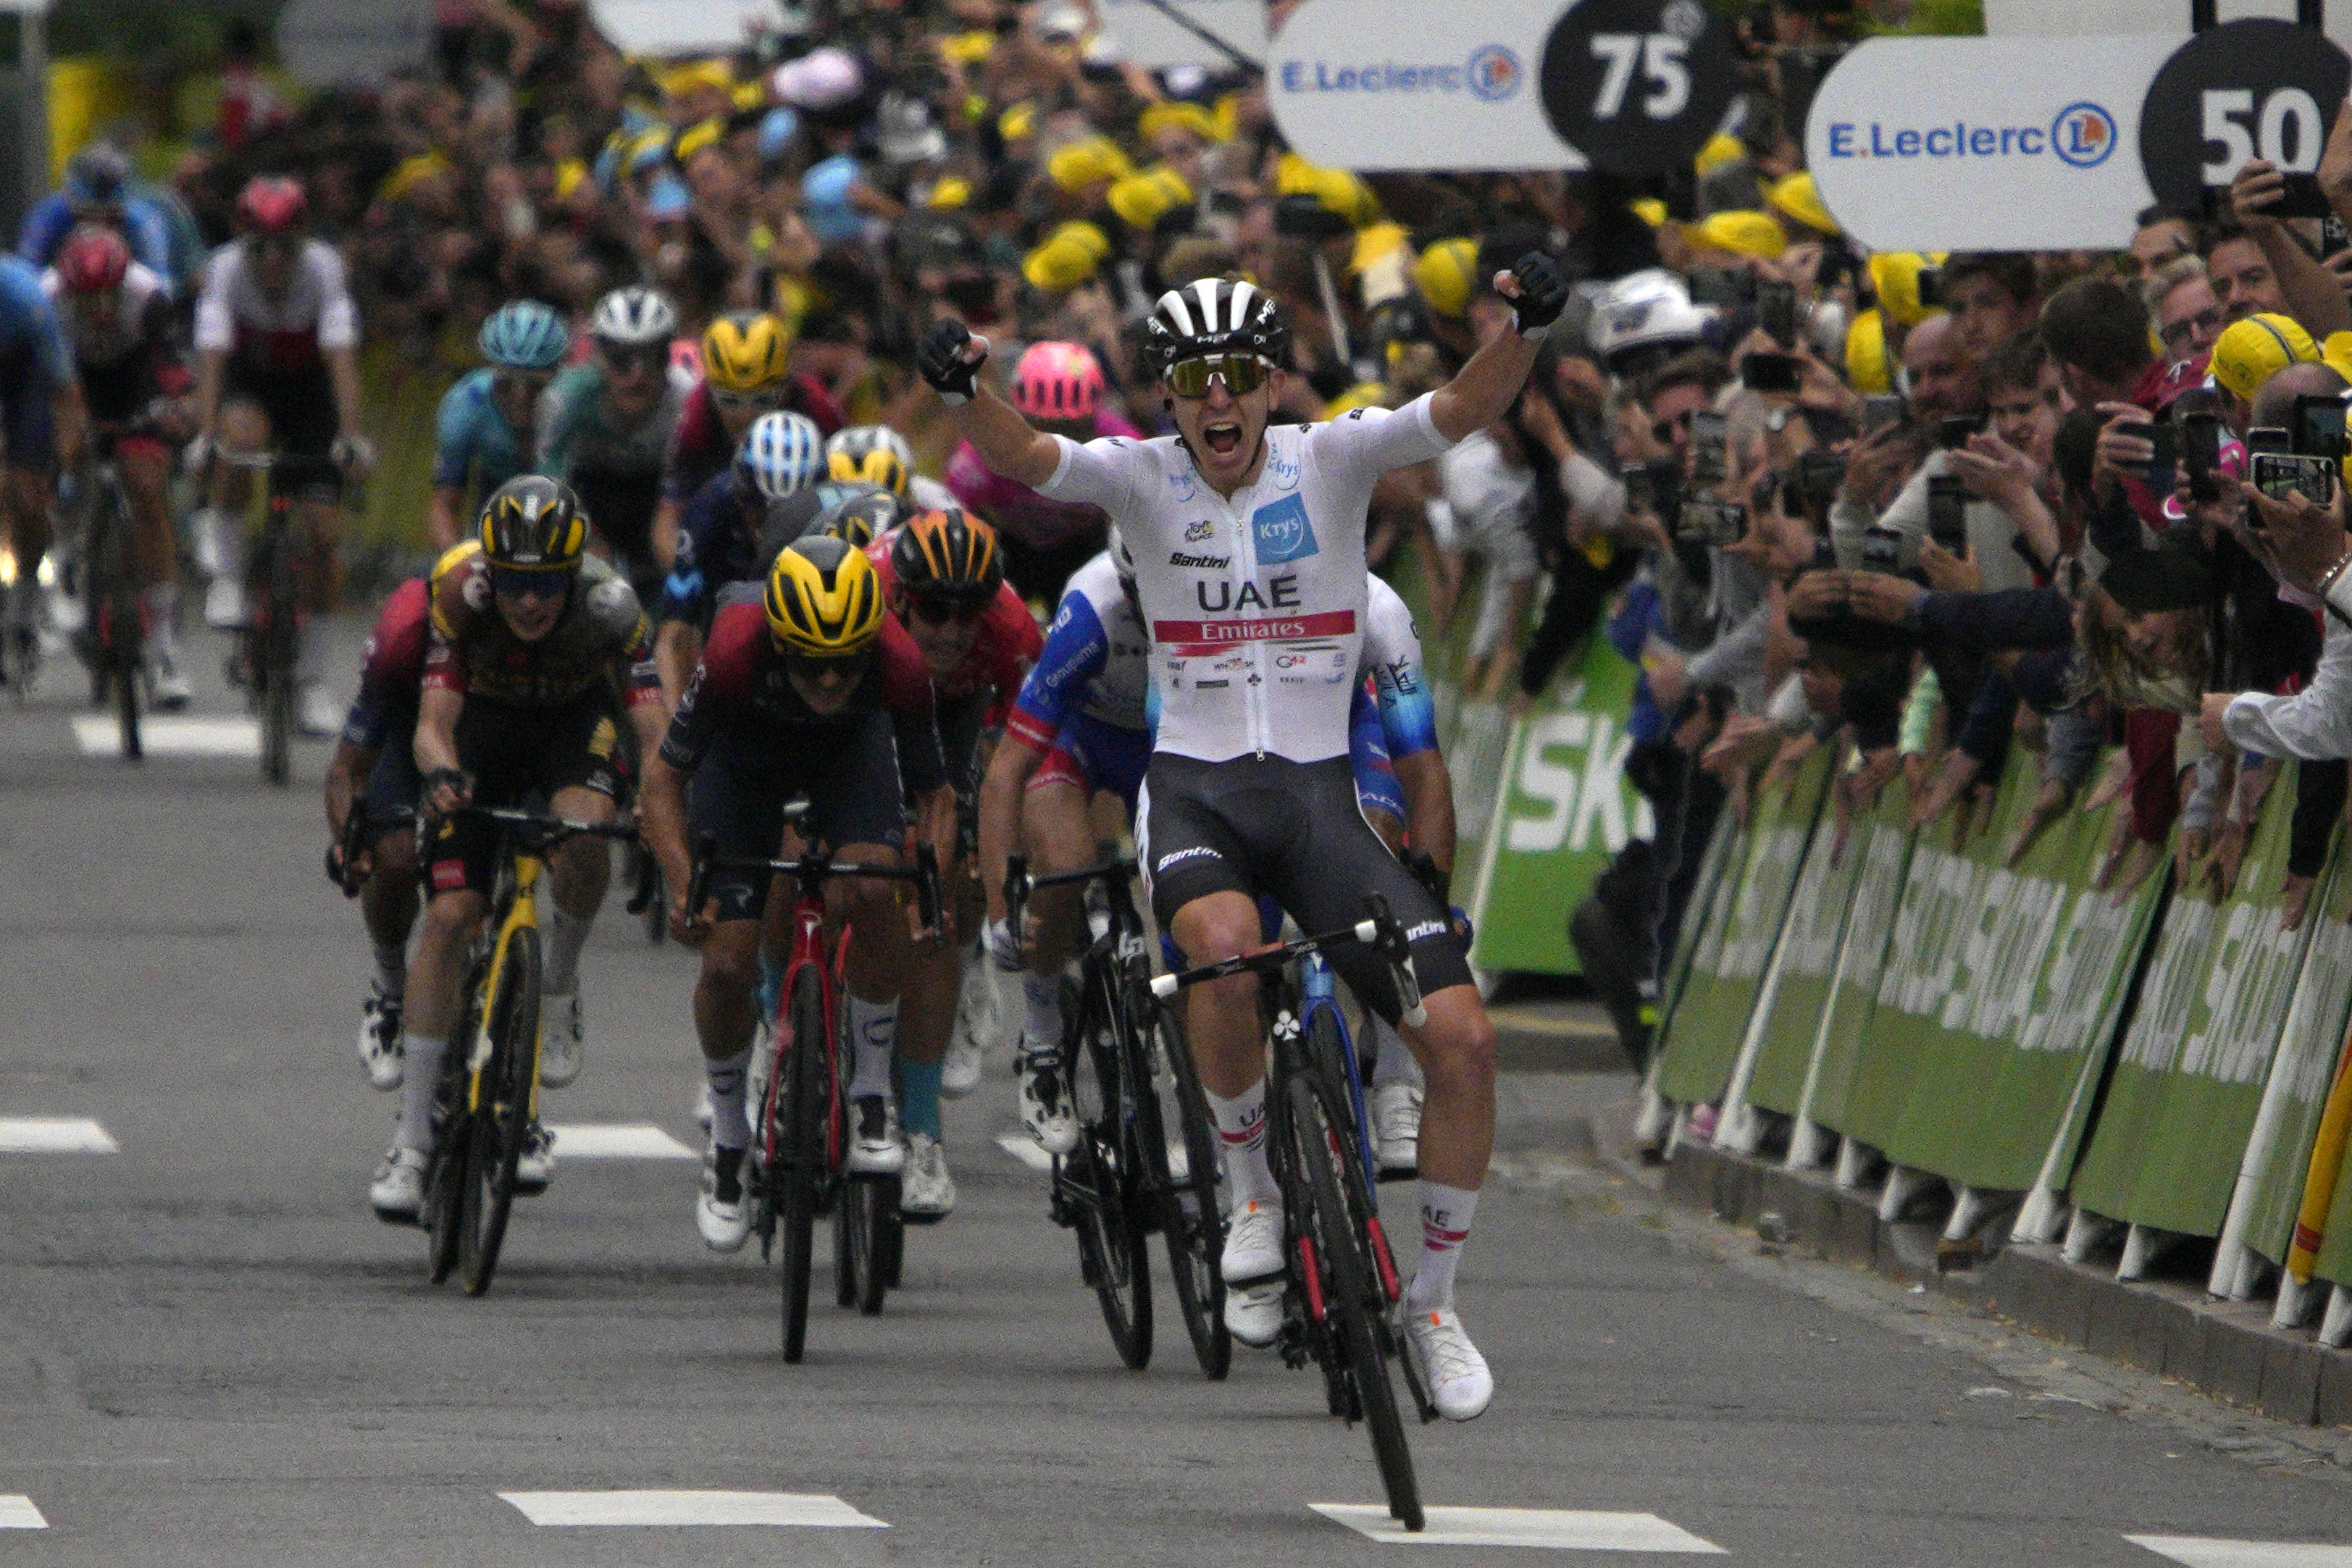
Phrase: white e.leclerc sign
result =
(1408, 84)
(2016, 143)
(1146, 34)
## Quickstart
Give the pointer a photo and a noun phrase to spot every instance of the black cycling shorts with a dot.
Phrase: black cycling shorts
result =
(962, 721)
(394, 787)
(1291, 831)
(850, 774)
(521, 756)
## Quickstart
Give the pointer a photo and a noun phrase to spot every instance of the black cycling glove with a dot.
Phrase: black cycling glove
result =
(941, 361)
(1543, 294)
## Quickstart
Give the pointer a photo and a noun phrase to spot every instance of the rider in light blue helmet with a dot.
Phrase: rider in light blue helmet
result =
(488, 419)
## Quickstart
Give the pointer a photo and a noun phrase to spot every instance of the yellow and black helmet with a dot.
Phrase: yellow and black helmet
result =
(533, 524)
(745, 350)
(947, 554)
(870, 455)
(824, 597)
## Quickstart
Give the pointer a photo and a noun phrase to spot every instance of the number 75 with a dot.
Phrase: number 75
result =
(1660, 56)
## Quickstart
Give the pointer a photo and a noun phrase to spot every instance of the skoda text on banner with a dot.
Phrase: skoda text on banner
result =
(1562, 813)
(1882, 840)
(1817, 924)
(1403, 84)
(1985, 143)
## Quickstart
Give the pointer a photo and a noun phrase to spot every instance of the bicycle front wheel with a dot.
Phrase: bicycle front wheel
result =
(1099, 1186)
(1353, 1302)
(501, 1111)
(800, 1159)
(1191, 1215)
(446, 1172)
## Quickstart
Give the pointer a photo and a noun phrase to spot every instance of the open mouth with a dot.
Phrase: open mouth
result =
(1225, 437)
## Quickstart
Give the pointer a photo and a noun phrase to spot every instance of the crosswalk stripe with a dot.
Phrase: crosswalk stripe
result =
(1026, 1151)
(2199, 1551)
(55, 1135)
(99, 735)
(616, 1141)
(682, 1508)
(1571, 1529)
(18, 1513)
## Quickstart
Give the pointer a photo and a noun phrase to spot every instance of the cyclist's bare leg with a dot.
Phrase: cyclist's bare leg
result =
(319, 526)
(1221, 1015)
(877, 966)
(1456, 1051)
(28, 521)
(436, 977)
(579, 871)
(244, 432)
(724, 991)
(388, 900)
(1059, 836)
(146, 481)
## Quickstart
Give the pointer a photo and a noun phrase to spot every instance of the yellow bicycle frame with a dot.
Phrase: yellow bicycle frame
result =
(521, 915)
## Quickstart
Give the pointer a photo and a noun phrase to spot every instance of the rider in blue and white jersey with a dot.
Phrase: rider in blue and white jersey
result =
(484, 431)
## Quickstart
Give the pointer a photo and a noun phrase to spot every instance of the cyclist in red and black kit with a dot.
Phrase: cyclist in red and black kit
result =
(119, 321)
(276, 364)
(943, 578)
(813, 691)
(745, 356)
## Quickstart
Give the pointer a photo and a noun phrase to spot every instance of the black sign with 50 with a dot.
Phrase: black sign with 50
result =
(2251, 89)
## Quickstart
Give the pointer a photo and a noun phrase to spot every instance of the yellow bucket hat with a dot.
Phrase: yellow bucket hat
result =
(1742, 234)
(1336, 189)
(1895, 278)
(1085, 162)
(1798, 198)
(1142, 200)
(1190, 116)
(1721, 148)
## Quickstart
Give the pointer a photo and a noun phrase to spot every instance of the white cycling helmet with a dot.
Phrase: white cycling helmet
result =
(782, 453)
(634, 318)
(1649, 309)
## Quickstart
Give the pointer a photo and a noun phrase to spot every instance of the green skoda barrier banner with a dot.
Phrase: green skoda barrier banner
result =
(2037, 975)
(1713, 882)
(1728, 964)
(2189, 1079)
(1882, 840)
(1562, 811)
(2311, 1042)
(1816, 930)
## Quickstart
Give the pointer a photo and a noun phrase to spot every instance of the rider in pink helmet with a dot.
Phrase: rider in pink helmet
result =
(1059, 388)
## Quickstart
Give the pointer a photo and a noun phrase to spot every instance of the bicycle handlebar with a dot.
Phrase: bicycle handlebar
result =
(813, 868)
(1381, 932)
(1020, 882)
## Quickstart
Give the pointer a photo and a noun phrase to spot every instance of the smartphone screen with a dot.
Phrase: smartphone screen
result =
(2279, 475)
(1771, 372)
(2318, 429)
(1880, 410)
(2201, 455)
(1955, 432)
(1776, 312)
(1947, 514)
(2270, 438)
(1882, 550)
(1710, 463)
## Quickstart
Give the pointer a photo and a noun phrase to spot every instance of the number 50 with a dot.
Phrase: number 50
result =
(1660, 56)
(2228, 109)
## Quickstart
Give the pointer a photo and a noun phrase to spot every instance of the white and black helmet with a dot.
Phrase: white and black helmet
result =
(1214, 316)
(634, 318)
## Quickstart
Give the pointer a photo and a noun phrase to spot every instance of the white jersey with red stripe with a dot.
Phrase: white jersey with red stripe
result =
(1256, 605)
(285, 331)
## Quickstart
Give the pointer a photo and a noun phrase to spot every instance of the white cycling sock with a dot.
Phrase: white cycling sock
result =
(1446, 1216)
(1392, 1060)
(420, 1079)
(1241, 1127)
(566, 935)
(1040, 1019)
(392, 968)
(162, 600)
(729, 1127)
(874, 1026)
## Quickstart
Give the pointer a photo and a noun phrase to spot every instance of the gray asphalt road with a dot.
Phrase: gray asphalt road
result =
(211, 1353)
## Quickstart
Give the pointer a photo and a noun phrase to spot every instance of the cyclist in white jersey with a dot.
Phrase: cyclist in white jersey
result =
(1249, 549)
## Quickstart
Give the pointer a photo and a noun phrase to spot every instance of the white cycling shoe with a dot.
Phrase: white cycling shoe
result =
(317, 714)
(561, 1049)
(877, 1147)
(1396, 1126)
(397, 1192)
(930, 1191)
(720, 1211)
(959, 1068)
(535, 1166)
(1253, 1268)
(380, 1044)
(1046, 1113)
(1450, 1366)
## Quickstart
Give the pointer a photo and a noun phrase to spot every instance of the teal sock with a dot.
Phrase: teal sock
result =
(919, 1096)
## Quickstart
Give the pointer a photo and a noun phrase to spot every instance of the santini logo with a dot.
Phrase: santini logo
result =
(2083, 135)
(1490, 75)
(1206, 563)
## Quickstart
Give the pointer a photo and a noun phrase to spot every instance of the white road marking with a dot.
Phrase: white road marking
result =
(99, 735)
(18, 1513)
(1023, 1147)
(616, 1141)
(2199, 1553)
(679, 1507)
(55, 1135)
(1566, 1529)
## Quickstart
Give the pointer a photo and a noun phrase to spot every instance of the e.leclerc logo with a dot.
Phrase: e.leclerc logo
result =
(2082, 135)
(1492, 73)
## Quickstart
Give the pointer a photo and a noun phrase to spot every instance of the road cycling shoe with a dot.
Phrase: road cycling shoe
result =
(1046, 1113)
(1450, 1366)
(1253, 1315)
(878, 1149)
(317, 715)
(561, 1047)
(225, 604)
(720, 1212)
(959, 1068)
(170, 687)
(536, 1166)
(397, 1192)
(930, 1191)
(1252, 1243)
(380, 1043)
(978, 1008)
(1396, 1126)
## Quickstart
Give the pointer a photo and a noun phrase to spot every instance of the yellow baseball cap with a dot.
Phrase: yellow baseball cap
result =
(954, 190)
(1178, 115)
(2256, 348)
(968, 48)
(1721, 148)
(2336, 354)
(1798, 198)
(1867, 368)
(1650, 210)
(1895, 278)
(1447, 275)
(1336, 189)
(1019, 123)
(1142, 200)
(1742, 234)
(1067, 257)
(1085, 162)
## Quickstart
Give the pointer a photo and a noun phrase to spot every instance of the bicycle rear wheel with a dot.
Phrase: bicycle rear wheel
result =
(1353, 1302)
(1191, 1215)
(1098, 1186)
(801, 1149)
(502, 1111)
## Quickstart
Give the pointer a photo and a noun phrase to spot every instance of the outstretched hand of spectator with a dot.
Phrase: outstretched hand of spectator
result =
(2049, 804)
